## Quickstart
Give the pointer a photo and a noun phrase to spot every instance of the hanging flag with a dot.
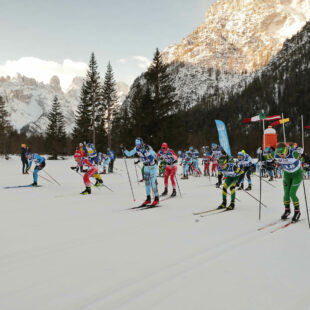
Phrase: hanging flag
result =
(261, 117)
(256, 118)
(223, 138)
(281, 121)
(307, 127)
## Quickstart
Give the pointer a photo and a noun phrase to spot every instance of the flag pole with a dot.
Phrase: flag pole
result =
(302, 132)
(283, 129)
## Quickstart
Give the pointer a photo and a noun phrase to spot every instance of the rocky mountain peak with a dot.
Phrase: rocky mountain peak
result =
(241, 35)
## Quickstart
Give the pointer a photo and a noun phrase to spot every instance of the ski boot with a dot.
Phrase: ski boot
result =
(270, 179)
(184, 177)
(286, 213)
(34, 184)
(155, 202)
(240, 187)
(296, 216)
(231, 206)
(204, 173)
(249, 187)
(98, 182)
(147, 201)
(165, 192)
(174, 193)
(87, 191)
(222, 206)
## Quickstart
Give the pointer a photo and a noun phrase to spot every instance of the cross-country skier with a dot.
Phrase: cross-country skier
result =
(196, 162)
(246, 164)
(92, 171)
(232, 173)
(186, 163)
(217, 153)
(105, 158)
(92, 153)
(171, 161)
(40, 164)
(269, 163)
(112, 157)
(290, 161)
(206, 160)
(148, 157)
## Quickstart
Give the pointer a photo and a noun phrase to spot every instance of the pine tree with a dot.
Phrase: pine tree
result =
(164, 99)
(109, 100)
(55, 133)
(90, 103)
(5, 126)
(83, 120)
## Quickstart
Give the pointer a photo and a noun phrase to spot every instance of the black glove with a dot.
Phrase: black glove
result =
(217, 185)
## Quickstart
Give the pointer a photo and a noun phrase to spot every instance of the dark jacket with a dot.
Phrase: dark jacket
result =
(23, 152)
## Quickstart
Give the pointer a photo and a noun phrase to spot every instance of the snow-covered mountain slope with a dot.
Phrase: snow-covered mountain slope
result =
(237, 38)
(65, 251)
(28, 101)
(241, 35)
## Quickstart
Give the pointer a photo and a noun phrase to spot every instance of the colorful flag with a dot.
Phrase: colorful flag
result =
(279, 122)
(223, 138)
(272, 118)
(256, 118)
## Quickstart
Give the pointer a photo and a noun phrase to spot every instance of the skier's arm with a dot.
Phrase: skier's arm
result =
(131, 153)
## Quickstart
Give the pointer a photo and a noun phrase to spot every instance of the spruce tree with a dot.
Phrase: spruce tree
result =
(83, 119)
(55, 133)
(165, 103)
(109, 100)
(90, 102)
(5, 126)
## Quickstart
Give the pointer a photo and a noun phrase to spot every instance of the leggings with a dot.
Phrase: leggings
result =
(291, 183)
(150, 176)
(170, 171)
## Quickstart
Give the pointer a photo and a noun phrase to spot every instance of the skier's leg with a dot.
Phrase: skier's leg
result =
(147, 179)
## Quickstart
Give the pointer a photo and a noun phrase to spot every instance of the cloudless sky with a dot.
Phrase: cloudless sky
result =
(113, 29)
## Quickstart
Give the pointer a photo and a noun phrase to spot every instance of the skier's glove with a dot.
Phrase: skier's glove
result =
(217, 185)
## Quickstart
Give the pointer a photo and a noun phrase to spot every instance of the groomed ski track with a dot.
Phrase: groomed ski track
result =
(65, 251)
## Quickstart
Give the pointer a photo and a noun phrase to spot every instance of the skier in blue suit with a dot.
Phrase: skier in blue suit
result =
(148, 157)
(40, 164)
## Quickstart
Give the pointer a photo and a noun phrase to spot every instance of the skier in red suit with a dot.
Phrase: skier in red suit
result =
(92, 171)
(171, 159)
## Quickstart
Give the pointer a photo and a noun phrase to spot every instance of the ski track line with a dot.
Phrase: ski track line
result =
(133, 289)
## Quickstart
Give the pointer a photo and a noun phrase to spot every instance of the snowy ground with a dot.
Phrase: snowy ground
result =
(61, 250)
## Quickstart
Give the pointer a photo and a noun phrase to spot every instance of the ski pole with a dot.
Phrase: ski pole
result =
(136, 173)
(265, 181)
(133, 195)
(303, 182)
(89, 180)
(260, 193)
(260, 202)
(51, 177)
(227, 193)
(176, 179)
(46, 179)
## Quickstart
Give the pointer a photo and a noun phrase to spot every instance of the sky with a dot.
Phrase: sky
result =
(44, 38)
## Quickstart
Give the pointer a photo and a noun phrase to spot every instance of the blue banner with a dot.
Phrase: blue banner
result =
(223, 138)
